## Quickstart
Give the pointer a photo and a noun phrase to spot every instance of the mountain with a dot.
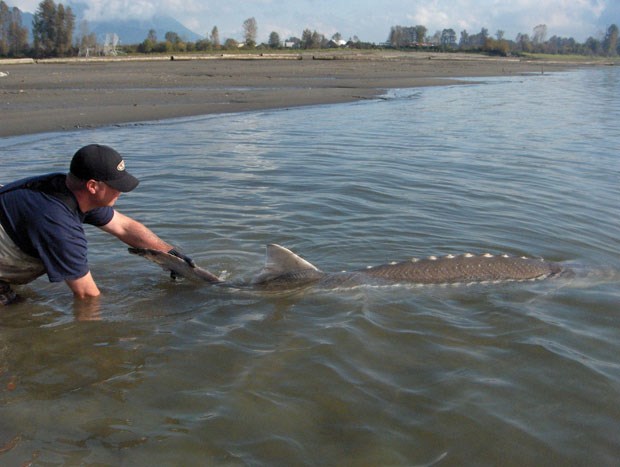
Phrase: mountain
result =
(134, 31)
(129, 31)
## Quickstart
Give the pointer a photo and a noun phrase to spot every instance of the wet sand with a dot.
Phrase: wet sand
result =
(57, 95)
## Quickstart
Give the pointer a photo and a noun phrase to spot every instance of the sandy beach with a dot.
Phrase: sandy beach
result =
(58, 95)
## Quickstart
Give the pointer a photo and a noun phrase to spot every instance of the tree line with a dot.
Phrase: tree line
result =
(53, 28)
(174, 43)
(416, 37)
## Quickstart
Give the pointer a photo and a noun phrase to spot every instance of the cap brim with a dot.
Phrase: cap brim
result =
(124, 184)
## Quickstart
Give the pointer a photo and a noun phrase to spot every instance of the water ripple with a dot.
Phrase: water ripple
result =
(398, 375)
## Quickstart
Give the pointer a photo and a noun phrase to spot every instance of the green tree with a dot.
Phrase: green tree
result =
(231, 44)
(496, 47)
(610, 43)
(174, 43)
(464, 40)
(4, 29)
(65, 23)
(18, 34)
(448, 38)
(13, 36)
(149, 44)
(523, 43)
(403, 36)
(593, 46)
(215, 38)
(312, 39)
(172, 37)
(44, 28)
(306, 39)
(274, 40)
(420, 33)
(203, 45)
(52, 28)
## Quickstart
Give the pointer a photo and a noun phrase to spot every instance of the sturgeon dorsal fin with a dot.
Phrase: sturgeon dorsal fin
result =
(279, 261)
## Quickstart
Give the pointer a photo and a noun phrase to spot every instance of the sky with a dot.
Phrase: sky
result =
(369, 20)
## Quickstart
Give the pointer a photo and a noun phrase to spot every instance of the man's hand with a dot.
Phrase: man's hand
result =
(187, 259)
(178, 254)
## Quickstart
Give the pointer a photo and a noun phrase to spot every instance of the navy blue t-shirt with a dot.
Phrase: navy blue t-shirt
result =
(45, 222)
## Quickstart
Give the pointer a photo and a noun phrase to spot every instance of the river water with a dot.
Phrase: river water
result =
(172, 373)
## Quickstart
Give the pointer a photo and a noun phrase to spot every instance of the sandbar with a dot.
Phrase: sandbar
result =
(63, 95)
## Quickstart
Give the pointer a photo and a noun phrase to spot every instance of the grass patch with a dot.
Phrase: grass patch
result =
(571, 58)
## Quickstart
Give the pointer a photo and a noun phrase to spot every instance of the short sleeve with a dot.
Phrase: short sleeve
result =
(99, 216)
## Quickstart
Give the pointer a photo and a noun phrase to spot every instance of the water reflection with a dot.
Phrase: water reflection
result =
(88, 309)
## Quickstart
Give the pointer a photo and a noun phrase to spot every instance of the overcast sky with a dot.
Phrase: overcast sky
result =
(369, 20)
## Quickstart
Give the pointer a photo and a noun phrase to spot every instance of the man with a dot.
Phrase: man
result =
(41, 222)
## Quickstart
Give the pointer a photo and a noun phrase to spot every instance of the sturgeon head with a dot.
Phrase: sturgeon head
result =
(176, 265)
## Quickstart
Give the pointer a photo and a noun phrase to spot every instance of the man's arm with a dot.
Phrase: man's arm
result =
(127, 230)
(134, 234)
(83, 287)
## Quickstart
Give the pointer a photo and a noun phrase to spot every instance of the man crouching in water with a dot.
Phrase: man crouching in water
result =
(41, 222)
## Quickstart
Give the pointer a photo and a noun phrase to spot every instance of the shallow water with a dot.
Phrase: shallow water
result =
(170, 373)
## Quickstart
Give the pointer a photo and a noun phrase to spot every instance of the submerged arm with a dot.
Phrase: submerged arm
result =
(83, 287)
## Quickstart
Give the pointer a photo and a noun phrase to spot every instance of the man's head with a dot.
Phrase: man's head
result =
(103, 164)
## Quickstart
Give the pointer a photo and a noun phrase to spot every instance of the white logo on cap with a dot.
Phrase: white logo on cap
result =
(121, 166)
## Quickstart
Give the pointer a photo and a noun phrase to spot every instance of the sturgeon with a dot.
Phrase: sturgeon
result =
(283, 269)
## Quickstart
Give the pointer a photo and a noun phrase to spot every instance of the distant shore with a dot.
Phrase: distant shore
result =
(58, 95)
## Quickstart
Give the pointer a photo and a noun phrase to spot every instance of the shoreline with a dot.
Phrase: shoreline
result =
(69, 94)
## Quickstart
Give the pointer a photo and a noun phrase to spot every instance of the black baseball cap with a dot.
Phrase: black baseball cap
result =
(104, 164)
